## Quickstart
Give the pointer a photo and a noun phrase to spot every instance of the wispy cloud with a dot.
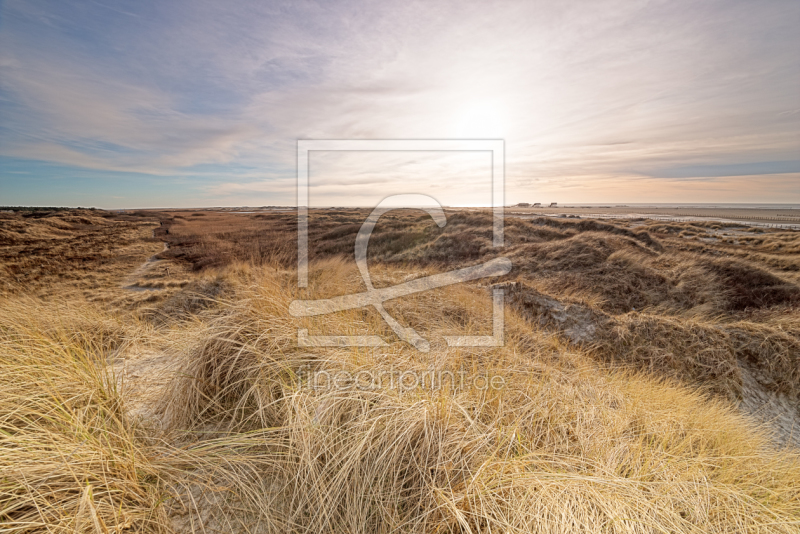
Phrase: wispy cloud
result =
(588, 96)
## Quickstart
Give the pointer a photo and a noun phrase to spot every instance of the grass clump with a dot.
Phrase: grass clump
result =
(607, 418)
(70, 459)
(564, 446)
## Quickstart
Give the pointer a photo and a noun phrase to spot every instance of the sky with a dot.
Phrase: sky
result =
(143, 103)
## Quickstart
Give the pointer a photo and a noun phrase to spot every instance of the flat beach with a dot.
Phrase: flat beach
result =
(760, 216)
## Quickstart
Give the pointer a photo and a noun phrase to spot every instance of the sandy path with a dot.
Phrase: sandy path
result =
(142, 375)
(132, 281)
(780, 414)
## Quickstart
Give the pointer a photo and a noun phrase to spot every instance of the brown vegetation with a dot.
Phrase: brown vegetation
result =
(651, 378)
(53, 253)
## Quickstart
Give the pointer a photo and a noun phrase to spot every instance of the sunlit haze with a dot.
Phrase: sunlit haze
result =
(158, 104)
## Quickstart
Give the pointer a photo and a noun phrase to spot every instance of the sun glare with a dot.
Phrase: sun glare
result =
(480, 120)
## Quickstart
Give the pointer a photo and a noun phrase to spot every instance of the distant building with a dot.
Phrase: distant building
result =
(523, 205)
(554, 204)
(537, 205)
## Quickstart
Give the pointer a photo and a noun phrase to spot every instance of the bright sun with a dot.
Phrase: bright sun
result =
(480, 120)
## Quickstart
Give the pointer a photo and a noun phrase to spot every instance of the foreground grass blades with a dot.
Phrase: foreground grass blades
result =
(193, 410)
(564, 446)
(70, 459)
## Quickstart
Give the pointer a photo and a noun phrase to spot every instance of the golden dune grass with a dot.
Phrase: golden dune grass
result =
(240, 440)
(70, 459)
(74, 252)
(565, 446)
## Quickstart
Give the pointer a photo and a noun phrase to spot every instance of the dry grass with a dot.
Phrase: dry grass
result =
(73, 457)
(213, 239)
(71, 461)
(629, 426)
(72, 252)
(564, 446)
(617, 265)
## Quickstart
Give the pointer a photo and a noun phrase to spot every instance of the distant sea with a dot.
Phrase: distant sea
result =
(761, 206)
